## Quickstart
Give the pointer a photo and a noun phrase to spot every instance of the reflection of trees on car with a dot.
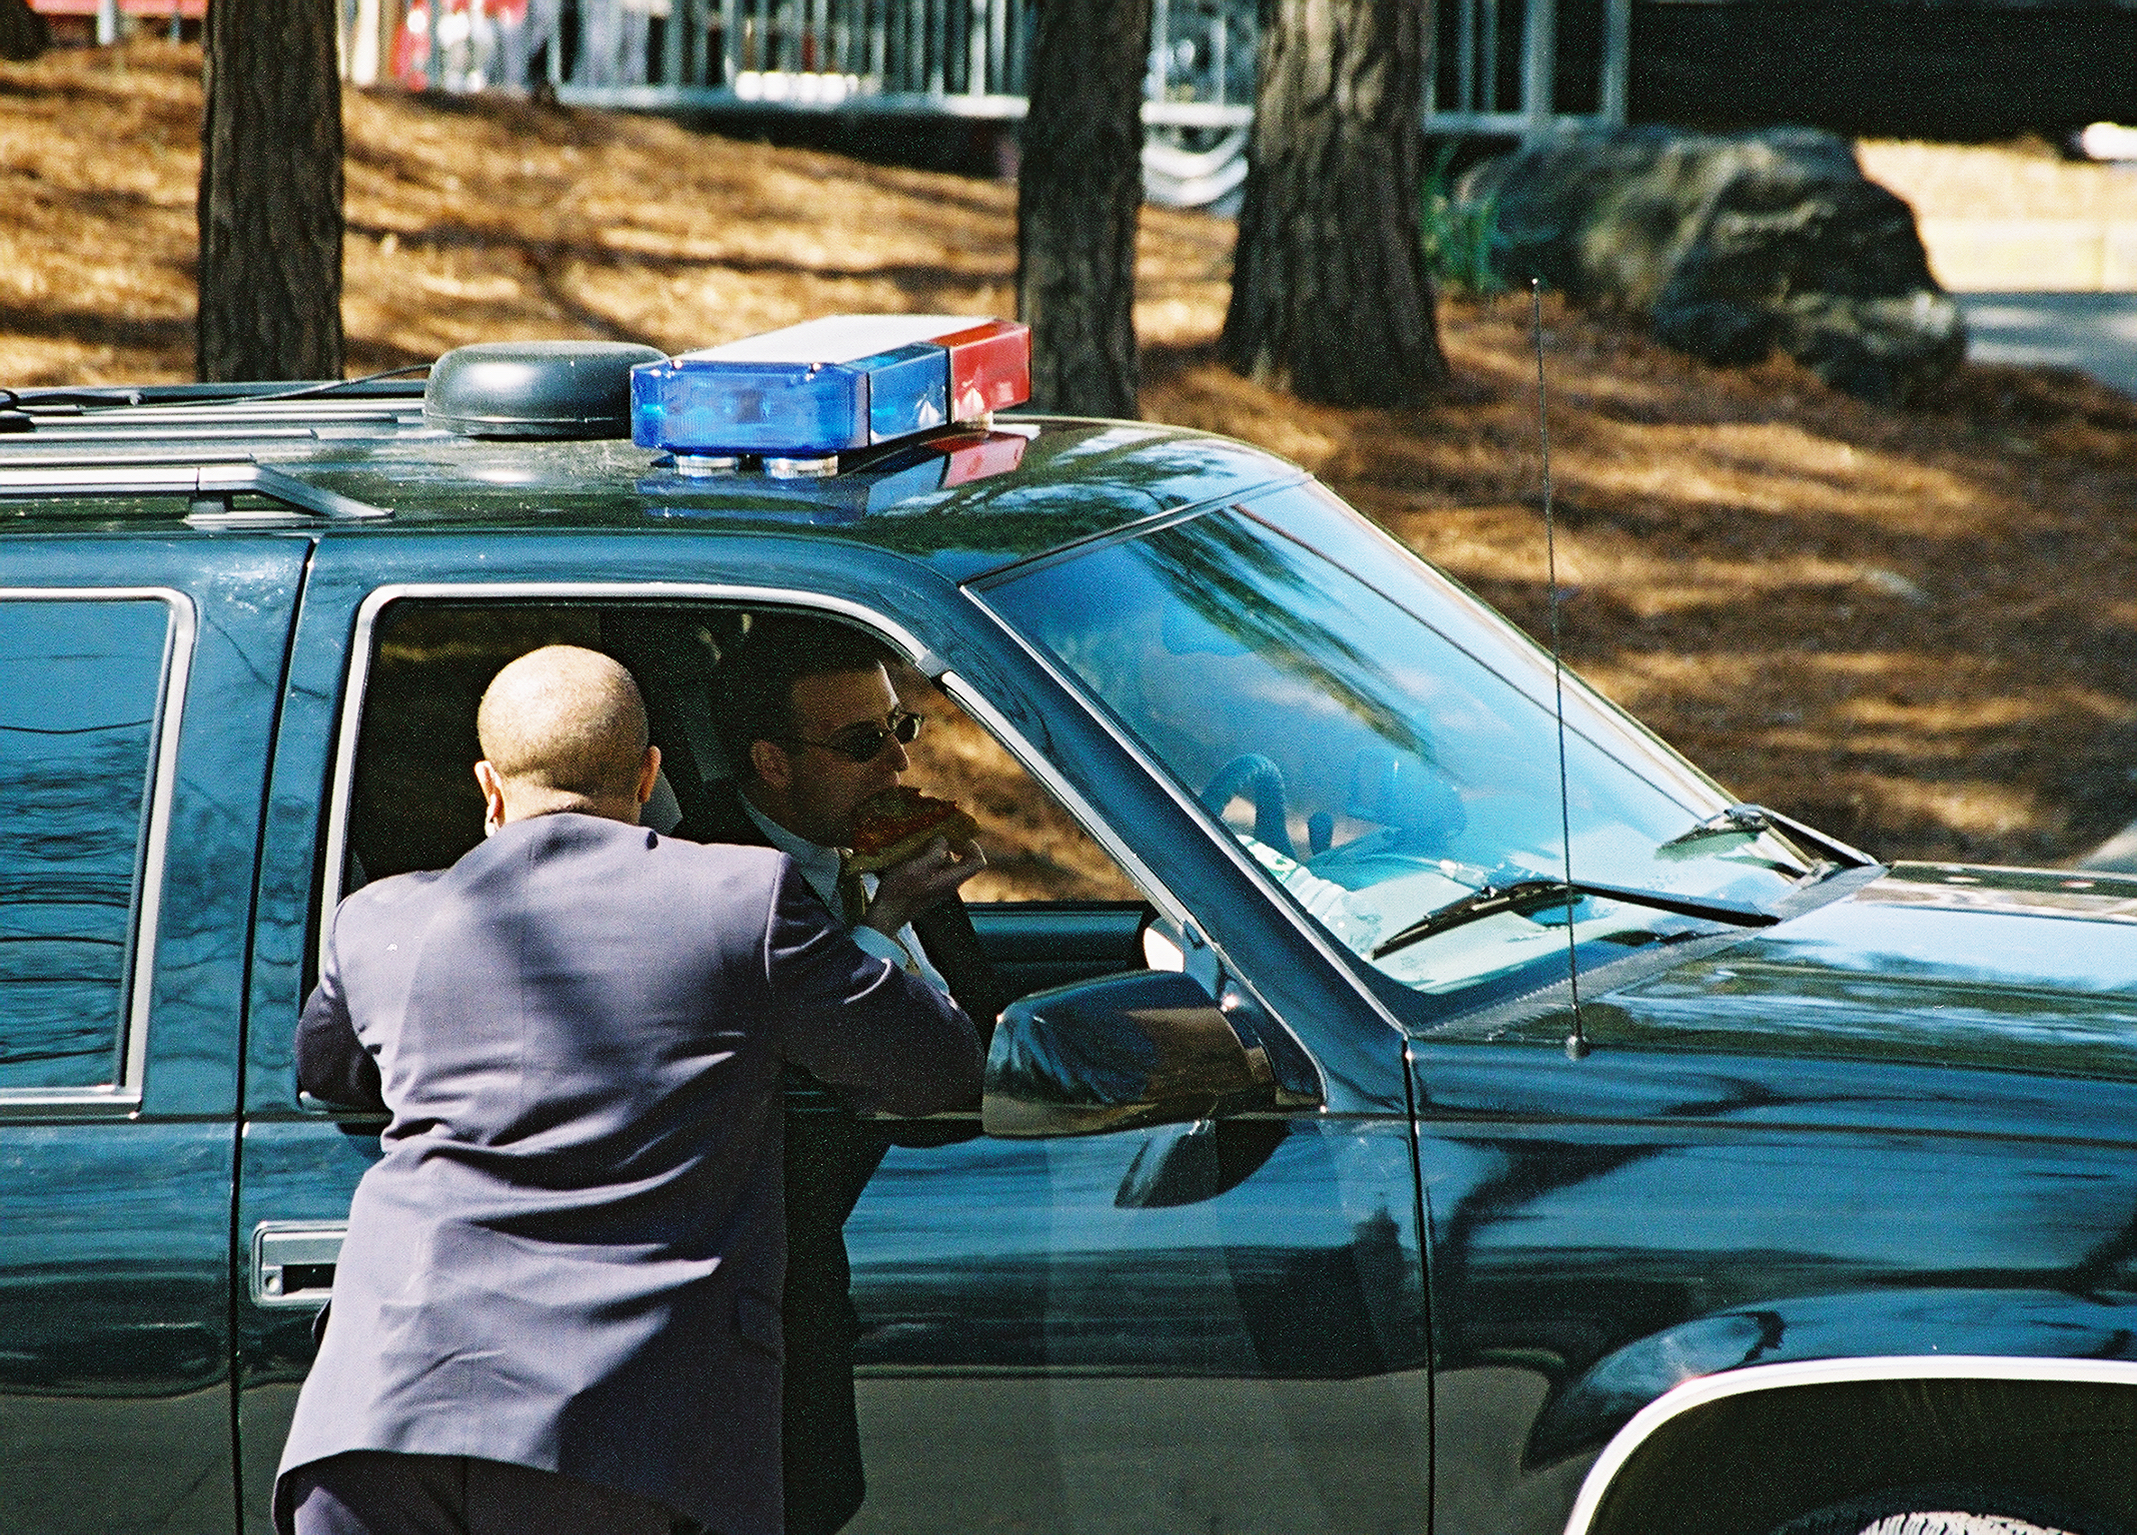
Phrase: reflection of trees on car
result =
(1241, 583)
(1399, 777)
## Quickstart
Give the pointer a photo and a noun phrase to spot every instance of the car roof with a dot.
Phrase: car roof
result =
(962, 500)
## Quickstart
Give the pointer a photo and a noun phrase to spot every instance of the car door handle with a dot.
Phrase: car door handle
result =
(293, 1262)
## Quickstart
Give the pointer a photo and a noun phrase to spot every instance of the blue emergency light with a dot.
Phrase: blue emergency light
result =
(798, 397)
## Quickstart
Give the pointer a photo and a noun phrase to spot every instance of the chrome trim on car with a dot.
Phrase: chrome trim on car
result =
(278, 1247)
(130, 1052)
(194, 475)
(1708, 1389)
(283, 486)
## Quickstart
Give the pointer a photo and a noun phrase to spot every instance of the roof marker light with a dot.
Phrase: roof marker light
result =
(804, 394)
(990, 368)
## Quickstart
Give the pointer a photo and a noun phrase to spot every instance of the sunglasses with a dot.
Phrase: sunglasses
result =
(865, 743)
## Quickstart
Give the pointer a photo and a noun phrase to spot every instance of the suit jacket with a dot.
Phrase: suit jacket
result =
(830, 1156)
(570, 1256)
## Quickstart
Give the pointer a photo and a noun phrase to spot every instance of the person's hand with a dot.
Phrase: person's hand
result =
(927, 879)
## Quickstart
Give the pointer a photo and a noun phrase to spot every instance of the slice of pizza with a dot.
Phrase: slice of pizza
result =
(891, 826)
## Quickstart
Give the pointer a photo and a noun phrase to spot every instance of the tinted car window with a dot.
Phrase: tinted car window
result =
(80, 692)
(1380, 767)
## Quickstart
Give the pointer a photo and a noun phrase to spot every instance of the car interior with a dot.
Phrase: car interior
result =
(1051, 907)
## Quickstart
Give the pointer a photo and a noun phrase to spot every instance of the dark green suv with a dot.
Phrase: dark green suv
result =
(1399, 1132)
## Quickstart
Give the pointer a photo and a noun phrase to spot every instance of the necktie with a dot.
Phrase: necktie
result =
(852, 892)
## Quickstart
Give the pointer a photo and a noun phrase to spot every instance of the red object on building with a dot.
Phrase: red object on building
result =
(411, 49)
(163, 10)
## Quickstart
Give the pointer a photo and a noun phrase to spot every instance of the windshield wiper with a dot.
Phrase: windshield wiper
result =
(1735, 821)
(1527, 895)
(1750, 820)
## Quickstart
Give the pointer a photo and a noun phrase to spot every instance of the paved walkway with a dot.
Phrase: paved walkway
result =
(2038, 255)
(2055, 320)
(2094, 332)
(2117, 855)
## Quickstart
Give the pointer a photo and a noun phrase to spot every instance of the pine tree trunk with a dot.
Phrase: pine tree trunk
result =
(1079, 191)
(1330, 297)
(270, 193)
(24, 33)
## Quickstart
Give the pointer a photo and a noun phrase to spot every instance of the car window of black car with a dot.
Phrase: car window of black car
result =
(82, 688)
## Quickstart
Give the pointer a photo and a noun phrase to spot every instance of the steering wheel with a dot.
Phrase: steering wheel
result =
(1262, 781)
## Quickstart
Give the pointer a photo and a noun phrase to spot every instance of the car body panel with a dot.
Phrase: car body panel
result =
(1877, 1129)
(115, 1242)
(295, 1170)
(1215, 1327)
(1897, 1123)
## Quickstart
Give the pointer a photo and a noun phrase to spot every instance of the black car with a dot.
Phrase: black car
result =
(1400, 1132)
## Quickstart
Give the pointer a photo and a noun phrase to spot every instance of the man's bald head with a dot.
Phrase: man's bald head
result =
(563, 728)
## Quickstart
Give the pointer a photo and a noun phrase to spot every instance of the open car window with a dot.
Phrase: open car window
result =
(1051, 906)
(1035, 850)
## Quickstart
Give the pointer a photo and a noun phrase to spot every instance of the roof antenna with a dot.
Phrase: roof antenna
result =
(1576, 1042)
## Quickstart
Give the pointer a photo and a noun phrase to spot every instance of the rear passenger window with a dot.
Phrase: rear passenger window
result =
(82, 684)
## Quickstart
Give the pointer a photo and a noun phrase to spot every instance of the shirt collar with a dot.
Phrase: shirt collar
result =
(818, 864)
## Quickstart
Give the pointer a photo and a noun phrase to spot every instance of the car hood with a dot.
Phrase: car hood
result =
(1957, 966)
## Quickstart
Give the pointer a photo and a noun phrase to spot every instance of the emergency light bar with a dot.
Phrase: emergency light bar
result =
(800, 396)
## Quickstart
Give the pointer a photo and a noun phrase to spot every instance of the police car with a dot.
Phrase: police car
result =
(1434, 1104)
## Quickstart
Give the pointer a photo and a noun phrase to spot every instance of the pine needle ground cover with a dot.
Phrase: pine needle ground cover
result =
(1916, 628)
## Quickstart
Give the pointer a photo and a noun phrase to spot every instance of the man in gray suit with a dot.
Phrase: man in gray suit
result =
(557, 1308)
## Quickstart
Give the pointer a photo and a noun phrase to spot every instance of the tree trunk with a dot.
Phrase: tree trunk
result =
(1330, 296)
(23, 32)
(270, 193)
(1079, 191)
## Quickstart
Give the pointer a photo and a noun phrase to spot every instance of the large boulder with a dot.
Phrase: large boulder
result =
(23, 33)
(1731, 246)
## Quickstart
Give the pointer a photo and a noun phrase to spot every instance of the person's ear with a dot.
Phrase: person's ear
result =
(648, 774)
(493, 796)
(772, 764)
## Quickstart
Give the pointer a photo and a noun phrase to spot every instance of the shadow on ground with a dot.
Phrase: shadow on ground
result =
(1917, 629)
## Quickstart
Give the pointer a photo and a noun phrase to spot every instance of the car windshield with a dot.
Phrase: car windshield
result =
(1385, 746)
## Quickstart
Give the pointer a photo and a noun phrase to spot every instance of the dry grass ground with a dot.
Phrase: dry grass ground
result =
(1917, 628)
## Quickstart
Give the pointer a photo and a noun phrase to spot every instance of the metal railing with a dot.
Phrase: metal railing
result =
(1477, 43)
(965, 57)
(943, 58)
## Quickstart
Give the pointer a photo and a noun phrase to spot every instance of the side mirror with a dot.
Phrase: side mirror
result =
(1145, 1048)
